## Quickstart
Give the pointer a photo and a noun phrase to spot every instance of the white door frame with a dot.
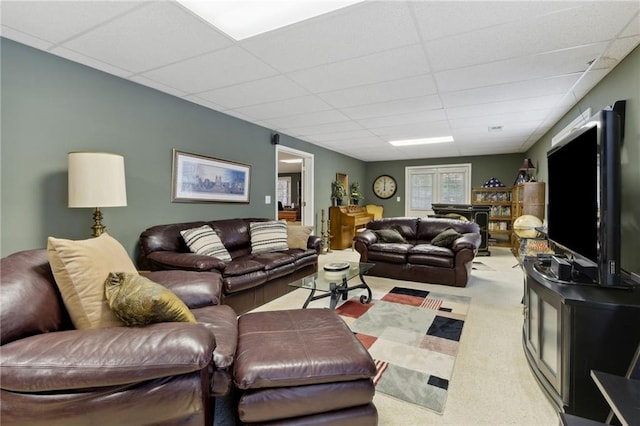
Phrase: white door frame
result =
(307, 208)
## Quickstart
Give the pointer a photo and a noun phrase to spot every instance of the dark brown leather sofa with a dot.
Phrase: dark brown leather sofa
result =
(53, 374)
(417, 259)
(249, 280)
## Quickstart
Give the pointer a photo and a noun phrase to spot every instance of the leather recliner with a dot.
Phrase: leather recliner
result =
(164, 373)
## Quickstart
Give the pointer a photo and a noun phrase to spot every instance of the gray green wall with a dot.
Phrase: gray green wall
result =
(623, 83)
(51, 106)
(502, 167)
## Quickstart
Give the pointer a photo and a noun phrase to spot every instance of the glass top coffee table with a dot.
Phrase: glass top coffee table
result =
(335, 283)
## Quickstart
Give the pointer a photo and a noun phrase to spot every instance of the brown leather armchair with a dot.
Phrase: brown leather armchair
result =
(53, 374)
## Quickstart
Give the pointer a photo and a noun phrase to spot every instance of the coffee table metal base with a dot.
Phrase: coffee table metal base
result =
(338, 290)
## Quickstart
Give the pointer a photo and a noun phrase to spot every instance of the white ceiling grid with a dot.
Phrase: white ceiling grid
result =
(353, 79)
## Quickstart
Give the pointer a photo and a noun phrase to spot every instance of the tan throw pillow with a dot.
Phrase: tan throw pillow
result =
(80, 268)
(297, 236)
(268, 236)
(136, 300)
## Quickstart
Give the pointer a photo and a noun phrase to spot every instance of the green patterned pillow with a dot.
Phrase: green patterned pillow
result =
(446, 238)
(136, 300)
(389, 236)
(204, 240)
(268, 236)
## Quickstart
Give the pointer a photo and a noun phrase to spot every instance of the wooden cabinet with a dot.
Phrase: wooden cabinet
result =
(528, 198)
(343, 223)
(571, 329)
(499, 200)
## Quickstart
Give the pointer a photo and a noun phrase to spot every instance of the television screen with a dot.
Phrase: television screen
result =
(573, 195)
(584, 195)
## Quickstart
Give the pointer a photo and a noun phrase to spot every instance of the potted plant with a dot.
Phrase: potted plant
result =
(355, 194)
(338, 192)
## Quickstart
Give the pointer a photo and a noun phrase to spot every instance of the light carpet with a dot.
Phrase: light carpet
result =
(413, 336)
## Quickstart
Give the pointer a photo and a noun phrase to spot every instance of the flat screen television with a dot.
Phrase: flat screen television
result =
(583, 212)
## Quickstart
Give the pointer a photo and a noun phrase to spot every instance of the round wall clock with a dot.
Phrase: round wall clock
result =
(384, 186)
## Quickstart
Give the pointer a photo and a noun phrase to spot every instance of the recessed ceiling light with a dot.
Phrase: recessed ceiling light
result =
(422, 141)
(292, 160)
(242, 19)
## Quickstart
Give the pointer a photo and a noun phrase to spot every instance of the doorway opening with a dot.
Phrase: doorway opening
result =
(294, 185)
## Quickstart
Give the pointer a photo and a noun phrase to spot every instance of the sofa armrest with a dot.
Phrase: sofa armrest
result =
(196, 289)
(81, 359)
(315, 243)
(470, 240)
(185, 261)
(367, 237)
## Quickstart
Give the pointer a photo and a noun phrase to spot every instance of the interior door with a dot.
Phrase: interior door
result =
(305, 168)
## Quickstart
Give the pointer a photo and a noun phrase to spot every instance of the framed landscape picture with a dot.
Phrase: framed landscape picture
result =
(198, 178)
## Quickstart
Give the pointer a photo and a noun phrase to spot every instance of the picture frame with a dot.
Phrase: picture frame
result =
(204, 179)
(341, 177)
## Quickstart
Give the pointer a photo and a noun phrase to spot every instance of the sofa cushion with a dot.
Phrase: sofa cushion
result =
(297, 236)
(428, 254)
(389, 252)
(80, 268)
(242, 265)
(446, 238)
(137, 300)
(268, 236)
(389, 236)
(204, 240)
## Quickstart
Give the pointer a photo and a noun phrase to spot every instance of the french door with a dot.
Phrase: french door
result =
(443, 184)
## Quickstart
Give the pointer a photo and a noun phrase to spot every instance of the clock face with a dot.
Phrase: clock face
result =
(384, 186)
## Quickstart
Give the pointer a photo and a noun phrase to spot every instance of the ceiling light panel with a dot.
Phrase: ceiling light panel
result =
(422, 141)
(242, 19)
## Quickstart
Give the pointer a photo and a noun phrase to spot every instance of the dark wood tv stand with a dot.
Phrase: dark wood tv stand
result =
(570, 330)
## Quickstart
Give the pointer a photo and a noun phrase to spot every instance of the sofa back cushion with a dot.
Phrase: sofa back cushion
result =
(429, 227)
(406, 226)
(166, 237)
(29, 299)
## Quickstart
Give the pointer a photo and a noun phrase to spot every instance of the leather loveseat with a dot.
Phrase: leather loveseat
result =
(412, 256)
(54, 374)
(248, 280)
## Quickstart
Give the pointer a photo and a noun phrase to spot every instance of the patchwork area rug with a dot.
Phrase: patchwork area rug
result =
(413, 336)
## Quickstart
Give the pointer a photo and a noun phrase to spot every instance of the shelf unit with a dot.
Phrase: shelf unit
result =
(528, 198)
(499, 200)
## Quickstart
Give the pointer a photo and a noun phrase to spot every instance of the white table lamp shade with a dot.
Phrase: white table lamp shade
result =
(96, 179)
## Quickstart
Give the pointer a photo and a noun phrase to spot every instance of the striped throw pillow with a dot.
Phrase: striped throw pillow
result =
(204, 240)
(268, 236)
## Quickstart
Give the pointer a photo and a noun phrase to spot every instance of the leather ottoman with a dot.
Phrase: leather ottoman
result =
(302, 366)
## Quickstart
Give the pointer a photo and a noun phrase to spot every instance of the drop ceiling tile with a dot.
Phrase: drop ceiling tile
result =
(505, 107)
(254, 92)
(526, 68)
(531, 36)
(633, 28)
(287, 107)
(402, 119)
(213, 70)
(381, 92)
(328, 128)
(56, 21)
(509, 91)
(441, 19)
(90, 62)
(151, 36)
(355, 31)
(24, 38)
(158, 86)
(353, 136)
(402, 106)
(392, 64)
(309, 119)
(200, 101)
(413, 131)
